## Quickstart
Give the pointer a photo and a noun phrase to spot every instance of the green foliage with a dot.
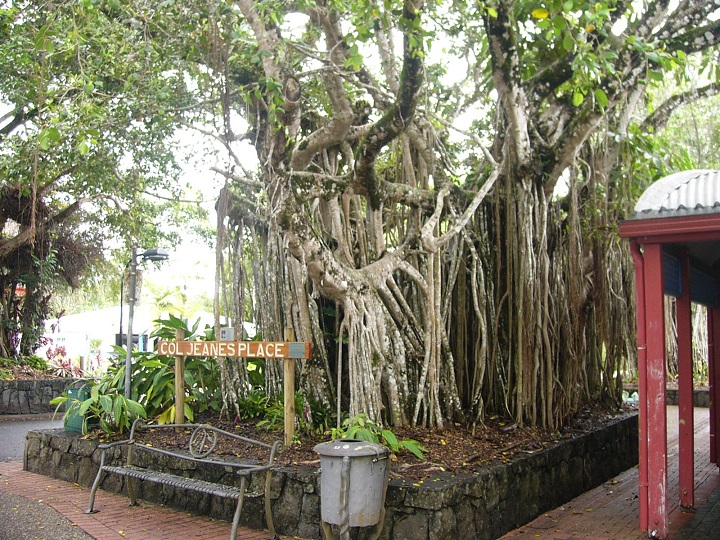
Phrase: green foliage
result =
(310, 417)
(87, 90)
(34, 361)
(362, 428)
(274, 416)
(155, 385)
(313, 416)
(113, 411)
(8, 365)
(254, 405)
(6, 372)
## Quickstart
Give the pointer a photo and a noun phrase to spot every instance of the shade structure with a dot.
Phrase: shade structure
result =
(674, 234)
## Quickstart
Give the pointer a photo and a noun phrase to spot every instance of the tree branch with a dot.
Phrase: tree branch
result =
(503, 49)
(18, 118)
(26, 235)
(400, 114)
(658, 119)
(342, 114)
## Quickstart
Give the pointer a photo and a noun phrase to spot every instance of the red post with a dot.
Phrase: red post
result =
(685, 390)
(713, 316)
(656, 407)
(642, 382)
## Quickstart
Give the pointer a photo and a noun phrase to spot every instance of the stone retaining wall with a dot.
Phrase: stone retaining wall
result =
(701, 395)
(30, 396)
(481, 505)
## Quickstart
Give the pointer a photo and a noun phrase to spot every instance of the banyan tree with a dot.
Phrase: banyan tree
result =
(441, 272)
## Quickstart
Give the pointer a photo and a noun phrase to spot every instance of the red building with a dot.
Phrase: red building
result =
(674, 234)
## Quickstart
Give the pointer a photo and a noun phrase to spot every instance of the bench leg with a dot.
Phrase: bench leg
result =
(268, 505)
(238, 508)
(96, 484)
(131, 483)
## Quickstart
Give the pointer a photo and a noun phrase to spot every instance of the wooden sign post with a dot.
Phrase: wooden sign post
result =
(289, 393)
(179, 381)
(288, 351)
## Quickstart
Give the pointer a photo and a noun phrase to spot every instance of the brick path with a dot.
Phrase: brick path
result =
(116, 519)
(611, 512)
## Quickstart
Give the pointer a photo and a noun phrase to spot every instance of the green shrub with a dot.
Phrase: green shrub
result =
(253, 406)
(362, 428)
(35, 362)
(113, 411)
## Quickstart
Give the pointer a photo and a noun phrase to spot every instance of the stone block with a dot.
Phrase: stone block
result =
(288, 509)
(411, 526)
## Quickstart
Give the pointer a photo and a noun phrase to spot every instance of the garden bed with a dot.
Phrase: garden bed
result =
(477, 485)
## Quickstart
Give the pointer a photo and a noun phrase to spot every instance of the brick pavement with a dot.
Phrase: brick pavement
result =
(116, 519)
(611, 511)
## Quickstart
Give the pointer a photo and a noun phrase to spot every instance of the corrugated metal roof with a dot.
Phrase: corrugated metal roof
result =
(685, 193)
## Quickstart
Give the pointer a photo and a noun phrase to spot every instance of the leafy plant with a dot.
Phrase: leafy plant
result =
(113, 411)
(253, 406)
(362, 428)
(6, 372)
(202, 375)
(274, 415)
(153, 376)
(61, 364)
(310, 416)
(35, 362)
(313, 416)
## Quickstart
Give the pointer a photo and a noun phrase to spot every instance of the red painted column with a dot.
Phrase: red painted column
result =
(656, 407)
(685, 390)
(713, 316)
(642, 382)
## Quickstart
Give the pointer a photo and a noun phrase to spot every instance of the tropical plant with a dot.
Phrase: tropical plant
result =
(363, 428)
(106, 404)
(405, 211)
(35, 362)
(6, 371)
(202, 375)
(61, 364)
(411, 156)
(253, 406)
(153, 375)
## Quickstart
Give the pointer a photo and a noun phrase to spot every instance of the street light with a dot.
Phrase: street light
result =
(154, 254)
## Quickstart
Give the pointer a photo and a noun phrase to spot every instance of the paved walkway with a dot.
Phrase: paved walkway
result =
(116, 519)
(607, 512)
(611, 511)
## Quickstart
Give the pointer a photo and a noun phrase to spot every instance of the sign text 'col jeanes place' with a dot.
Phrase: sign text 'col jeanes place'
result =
(235, 349)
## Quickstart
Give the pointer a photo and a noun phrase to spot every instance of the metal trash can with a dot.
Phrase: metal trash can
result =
(353, 482)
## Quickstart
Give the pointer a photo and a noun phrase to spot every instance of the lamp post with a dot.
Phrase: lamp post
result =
(154, 254)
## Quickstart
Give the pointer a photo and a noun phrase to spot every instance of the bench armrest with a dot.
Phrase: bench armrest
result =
(105, 446)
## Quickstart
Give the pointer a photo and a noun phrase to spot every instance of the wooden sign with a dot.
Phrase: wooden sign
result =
(289, 350)
(236, 349)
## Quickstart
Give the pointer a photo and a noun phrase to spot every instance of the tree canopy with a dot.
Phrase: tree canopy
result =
(438, 181)
(85, 146)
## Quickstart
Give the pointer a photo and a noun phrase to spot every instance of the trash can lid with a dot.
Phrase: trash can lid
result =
(350, 447)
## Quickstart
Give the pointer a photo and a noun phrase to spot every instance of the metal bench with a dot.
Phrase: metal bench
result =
(203, 441)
